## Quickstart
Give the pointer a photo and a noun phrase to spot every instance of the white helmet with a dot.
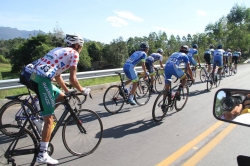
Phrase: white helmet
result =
(160, 50)
(73, 39)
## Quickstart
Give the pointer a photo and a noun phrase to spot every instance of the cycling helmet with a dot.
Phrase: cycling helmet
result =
(160, 50)
(73, 39)
(211, 46)
(143, 46)
(219, 46)
(228, 50)
(195, 46)
(184, 49)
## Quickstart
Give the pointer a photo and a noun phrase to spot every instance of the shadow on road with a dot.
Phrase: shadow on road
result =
(130, 128)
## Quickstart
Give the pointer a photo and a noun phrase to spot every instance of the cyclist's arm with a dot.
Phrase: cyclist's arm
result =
(161, 65)
(189, 70)
(73, 79)
(61, 83)
(144, 68)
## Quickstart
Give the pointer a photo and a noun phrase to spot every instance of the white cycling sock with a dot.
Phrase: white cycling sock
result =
(43, 147)
(131, 96)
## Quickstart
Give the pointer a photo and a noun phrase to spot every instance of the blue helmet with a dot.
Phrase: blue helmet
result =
(219, 46)
(143, 46)
(195, 46)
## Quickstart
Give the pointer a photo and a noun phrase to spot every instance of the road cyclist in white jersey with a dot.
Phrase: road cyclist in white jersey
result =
(150, 65)
(218, 61)
(51, 66)
(130, 72)
(172, 68)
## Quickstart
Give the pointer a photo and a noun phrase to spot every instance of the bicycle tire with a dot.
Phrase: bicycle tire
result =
(230, 71)
(27, 142)
(203, 76)
(12, 113)
(71, 135)
(180, 104)
(159, 83)
(113, 99)
(209, 82)
(160, 107)
(217, 83)
(143, 93)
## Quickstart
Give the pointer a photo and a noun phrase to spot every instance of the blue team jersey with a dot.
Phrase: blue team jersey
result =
(156, 56)
(177, 58)
(225, 53)
(136, 57)
(218, 52)
(237, 53)
(192, 52)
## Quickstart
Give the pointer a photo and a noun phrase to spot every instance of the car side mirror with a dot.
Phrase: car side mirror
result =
(233, 106)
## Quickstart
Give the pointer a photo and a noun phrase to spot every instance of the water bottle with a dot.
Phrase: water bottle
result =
(37, 104)
(39, 124)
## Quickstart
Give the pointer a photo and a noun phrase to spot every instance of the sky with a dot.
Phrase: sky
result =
(106, 20)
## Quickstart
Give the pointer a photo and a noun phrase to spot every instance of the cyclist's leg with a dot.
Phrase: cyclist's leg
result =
(132, 75)
(43, 88)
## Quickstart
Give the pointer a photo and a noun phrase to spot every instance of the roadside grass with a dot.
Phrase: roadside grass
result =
(5, 72)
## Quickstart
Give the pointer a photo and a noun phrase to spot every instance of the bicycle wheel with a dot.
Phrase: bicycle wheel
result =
(217, 83)
(194, 73)
(13, 113)
(113, 100)
(179, 104)
(159, 83)
(209, 82)
(26, 147)
(203, 76)
(143, 92)
(160, 107)
(82, 143)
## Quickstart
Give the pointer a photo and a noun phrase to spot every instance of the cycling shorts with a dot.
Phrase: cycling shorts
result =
(218, 61)
(207, 58)
(226, 58)
(235, 59)
(43, 88)
(130, 72)
(172, 69)
(150, 68)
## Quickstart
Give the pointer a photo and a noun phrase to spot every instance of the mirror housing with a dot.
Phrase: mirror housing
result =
(233, 106)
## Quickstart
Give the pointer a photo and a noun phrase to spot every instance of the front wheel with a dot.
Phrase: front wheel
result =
(84, 139)
(181, 102)
(160, 107)
(113, 99)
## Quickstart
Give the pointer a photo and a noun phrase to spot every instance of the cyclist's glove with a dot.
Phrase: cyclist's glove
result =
(86, 91)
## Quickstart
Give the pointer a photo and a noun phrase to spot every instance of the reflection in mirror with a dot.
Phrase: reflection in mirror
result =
(232, 105)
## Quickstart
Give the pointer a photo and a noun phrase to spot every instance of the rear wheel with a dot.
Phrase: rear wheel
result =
(160, 107)
(143, 92)
(203, 76)
(209, 82)
(113, 100)
(217, 83)
(26, 147)
(160, 83)
(179, 104)
(84, 139)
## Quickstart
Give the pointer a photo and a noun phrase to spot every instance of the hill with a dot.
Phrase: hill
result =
(7, 33)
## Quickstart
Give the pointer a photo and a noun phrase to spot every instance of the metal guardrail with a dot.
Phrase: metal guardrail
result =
(14, 83)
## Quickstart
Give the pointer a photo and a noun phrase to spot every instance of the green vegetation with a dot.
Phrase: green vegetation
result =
(5, 72)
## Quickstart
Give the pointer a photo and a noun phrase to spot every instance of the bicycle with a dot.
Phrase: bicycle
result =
(213, 81)
(116, 95)
(159, 80)
(225, 71)
(12, 112)
(169, 100)
(21, 146)
(204, 74)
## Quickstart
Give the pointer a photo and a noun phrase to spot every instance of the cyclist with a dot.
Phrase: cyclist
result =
(208, 56)
(150, 65)
(193, 52)
(130, 72)
(236, 58)
(51, 66)
(225, 59)
(218, 60)
(172, 68)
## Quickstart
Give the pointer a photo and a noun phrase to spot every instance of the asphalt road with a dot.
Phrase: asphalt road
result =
(189, 137)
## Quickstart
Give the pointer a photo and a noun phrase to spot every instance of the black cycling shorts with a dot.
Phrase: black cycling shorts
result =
(207, 58)
(235, 59)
